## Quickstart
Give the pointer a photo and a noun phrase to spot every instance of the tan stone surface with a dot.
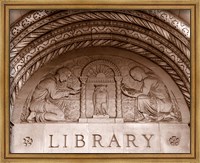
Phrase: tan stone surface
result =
(26, 131)
(101, 138)
(100, 81)
(58, 140)
(175, 138)
(140, 131)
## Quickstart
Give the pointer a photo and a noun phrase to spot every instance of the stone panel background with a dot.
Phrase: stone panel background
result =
(46, 40)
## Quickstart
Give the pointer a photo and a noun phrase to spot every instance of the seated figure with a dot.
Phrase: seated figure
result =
(43, 101)
(153, 99)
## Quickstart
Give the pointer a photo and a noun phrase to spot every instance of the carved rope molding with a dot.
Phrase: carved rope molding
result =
(29, 34)
(165, 16)
(29, 19)
(46, 25)
(77, 43)
(18, 65)
(121, 25)
(96, 36)
(162, 23)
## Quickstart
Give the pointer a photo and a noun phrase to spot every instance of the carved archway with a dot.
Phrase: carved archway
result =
(111, 73)
(43, 35)
(109, 64)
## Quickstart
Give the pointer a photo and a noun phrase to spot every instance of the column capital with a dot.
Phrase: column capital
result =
(118, 78)
(83, 79)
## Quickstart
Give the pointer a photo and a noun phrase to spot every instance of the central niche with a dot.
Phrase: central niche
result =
(100, 94)
(107, 92)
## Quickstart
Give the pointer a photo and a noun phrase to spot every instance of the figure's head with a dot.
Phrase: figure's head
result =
(137, 73)
(64, 73)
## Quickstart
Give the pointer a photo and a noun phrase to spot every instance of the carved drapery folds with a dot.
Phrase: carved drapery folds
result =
(43, 35)
(104, 88)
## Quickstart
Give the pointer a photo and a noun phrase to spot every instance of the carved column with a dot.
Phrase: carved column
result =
(83, 94)
(118, 80)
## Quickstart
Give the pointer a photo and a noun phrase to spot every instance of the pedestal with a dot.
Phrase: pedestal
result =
(101, 119)
(119, 120)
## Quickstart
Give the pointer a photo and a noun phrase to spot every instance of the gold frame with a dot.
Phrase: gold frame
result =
(125, 4)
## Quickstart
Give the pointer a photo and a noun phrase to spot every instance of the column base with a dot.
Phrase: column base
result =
(83, 120)
(119, 120)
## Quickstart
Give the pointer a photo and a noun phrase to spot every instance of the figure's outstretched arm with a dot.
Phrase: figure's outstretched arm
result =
(56, 93)
(129, 91)
(135, 93)
(74, 91)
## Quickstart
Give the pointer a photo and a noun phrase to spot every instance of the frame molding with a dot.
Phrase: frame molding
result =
(120, 4)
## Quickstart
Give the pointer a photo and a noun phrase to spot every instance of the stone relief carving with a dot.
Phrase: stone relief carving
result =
(101, 72)
(28, 141)
(102, 15)
(65, 30)
(100, 100)
(31, 18)
(150, 55)
(153, 100)
(99, 90)
(48, 99)
(171, 20)
(174, 140)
